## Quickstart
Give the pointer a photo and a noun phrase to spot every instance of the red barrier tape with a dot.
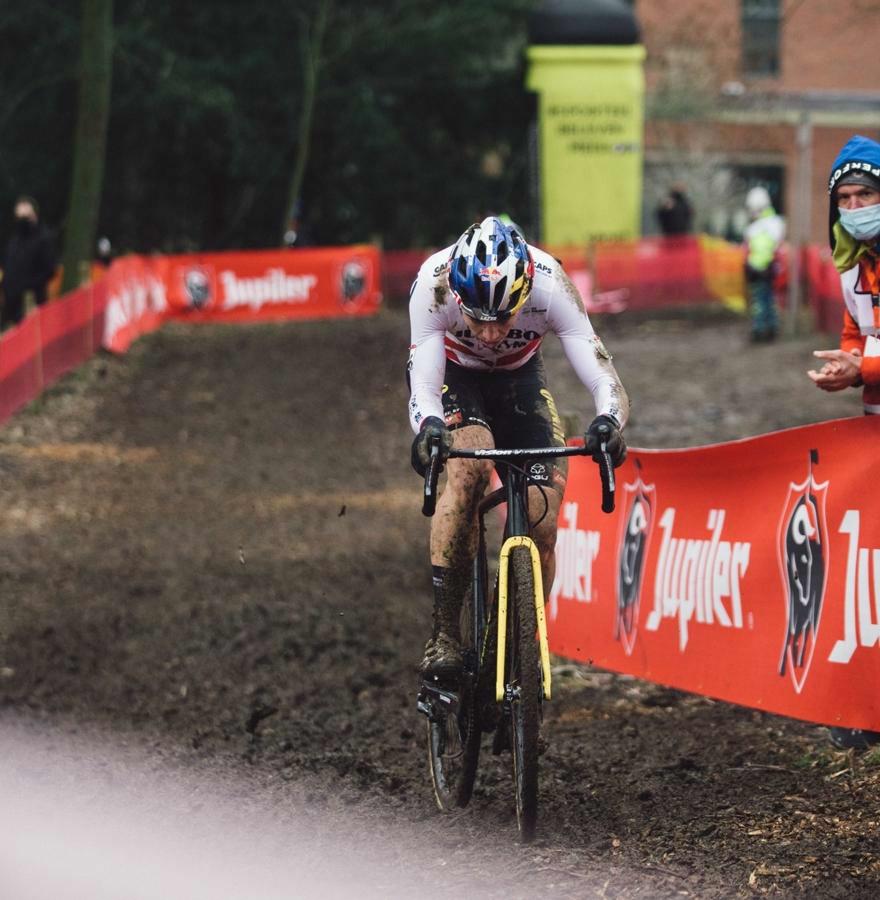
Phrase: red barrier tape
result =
(656, 271)
(650, 273)
(21, 367)
(137, 294)
(824, 294)
(67, 333)
(747, 571)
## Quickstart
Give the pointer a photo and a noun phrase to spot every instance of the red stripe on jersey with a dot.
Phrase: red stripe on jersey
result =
(455, 351)
(520, 355)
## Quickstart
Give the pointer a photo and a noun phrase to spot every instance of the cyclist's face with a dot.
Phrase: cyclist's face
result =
(489, 333)
(855, 196)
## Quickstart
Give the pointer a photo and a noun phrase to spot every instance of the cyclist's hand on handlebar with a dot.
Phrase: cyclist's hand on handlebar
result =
(614, 442)
(433, 430)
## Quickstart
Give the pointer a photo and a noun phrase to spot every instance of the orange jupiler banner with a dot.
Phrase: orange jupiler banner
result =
(137, 294)
(274, 284)
(747, 571)
(142, 292)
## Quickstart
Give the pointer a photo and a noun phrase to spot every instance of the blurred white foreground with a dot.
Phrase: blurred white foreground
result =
(87, 820)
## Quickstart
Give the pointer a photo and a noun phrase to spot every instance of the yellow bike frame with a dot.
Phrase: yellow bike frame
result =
(504, 564)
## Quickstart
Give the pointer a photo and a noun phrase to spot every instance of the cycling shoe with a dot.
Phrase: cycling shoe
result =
(442, 661)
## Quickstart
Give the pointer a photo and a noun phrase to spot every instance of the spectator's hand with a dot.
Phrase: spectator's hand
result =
(433, 429)
(842, 369)
(614, 442)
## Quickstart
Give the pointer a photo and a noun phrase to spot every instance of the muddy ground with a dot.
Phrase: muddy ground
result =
(212, 548)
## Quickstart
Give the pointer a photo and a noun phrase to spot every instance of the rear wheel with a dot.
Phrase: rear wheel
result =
(524, 683)
(454, 738)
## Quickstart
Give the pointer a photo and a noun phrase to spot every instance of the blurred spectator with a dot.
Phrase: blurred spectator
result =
(675, 215)
(763, 236)
(296, 233)
(28, 262)
(854, 223)
(102, 259)
(103, 252)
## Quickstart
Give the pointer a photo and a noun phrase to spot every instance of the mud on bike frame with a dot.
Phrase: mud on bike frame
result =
(516, 526)
(454, 714)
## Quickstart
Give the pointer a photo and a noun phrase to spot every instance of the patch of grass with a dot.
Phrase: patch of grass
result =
(813, 759)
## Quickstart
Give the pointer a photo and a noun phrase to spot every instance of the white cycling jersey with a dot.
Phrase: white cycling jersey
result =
(439, 333)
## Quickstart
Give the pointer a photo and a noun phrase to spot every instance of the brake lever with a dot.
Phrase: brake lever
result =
(606, 471)
(432, 476)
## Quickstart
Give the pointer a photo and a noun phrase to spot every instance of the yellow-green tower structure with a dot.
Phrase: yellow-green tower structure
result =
(586, 66)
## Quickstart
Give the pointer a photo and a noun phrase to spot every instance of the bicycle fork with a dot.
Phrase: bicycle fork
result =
(503, 578)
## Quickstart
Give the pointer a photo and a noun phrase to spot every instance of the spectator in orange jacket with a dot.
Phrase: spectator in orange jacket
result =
(854, 222)
(855, 241)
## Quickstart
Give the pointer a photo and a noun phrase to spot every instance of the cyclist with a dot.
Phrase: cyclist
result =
(479, 311)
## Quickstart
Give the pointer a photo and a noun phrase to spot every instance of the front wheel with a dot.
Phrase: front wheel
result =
(454, 737)
(523, 678)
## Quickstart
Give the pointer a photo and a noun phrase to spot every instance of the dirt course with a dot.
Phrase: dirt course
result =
(212, 547)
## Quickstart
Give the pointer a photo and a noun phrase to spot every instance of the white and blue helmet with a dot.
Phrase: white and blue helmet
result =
(491, 270)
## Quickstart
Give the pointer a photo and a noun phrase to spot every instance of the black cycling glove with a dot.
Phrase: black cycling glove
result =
(432, 429)
(614, 442)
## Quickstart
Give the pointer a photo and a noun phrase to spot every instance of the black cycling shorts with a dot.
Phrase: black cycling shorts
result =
(515, 405)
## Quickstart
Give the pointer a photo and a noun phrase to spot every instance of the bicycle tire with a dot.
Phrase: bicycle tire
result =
(454, 740)
(523, 670)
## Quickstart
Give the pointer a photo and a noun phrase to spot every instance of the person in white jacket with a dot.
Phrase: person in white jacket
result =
(479, 311)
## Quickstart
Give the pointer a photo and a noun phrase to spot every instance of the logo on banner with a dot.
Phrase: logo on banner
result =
(576, 552)
(197, 288)
(638, 520)
(354, 280)
(803, 559)
(861, 618)
(275, 286)
(698, 579)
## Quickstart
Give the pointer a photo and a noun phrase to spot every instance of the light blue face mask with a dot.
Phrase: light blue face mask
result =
(863, 223)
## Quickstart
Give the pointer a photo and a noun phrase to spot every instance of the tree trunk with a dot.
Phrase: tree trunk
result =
(312, 46)
(96, 69)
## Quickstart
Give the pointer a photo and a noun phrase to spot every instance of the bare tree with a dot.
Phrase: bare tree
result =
(96, 69)
(311, 47)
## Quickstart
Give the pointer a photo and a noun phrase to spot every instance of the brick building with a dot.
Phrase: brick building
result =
(745, 92)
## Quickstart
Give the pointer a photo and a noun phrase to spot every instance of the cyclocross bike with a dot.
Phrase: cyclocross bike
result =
(506, 673)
